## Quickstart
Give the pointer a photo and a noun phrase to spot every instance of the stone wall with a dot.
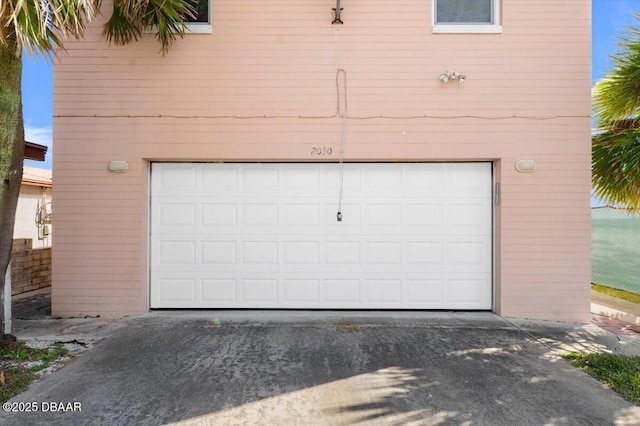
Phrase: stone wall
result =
(30, 268)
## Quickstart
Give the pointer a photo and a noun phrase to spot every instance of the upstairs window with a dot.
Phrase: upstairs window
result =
(201, 23)
(466, 16)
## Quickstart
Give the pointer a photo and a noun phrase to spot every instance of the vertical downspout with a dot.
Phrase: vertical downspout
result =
(337, 11)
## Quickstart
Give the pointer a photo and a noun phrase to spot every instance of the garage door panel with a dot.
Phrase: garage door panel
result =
(425, 290)
(256, 178)
(383, 252)
(342, 292)
(468, 292)
(177, 252)
(382, 293)
(469, 216)
(219, 290)
(382, 179)
(342, 253)
(351, 217)
(307, 215)
(219, 215)
(466, 253)
(223, 178)
(177, 215)
(384, 215)
(301, 290)
(301, 252)
(429, 180)
(464, 214)
(219, 252)
(425, 253)
(259, 252)
(178, 290)
(177, 176)
(300, 179)
(260, 214)
(425, 214)
(434, 290)
(259, 290)
(462, 179)
(350, 180)
(413, 236)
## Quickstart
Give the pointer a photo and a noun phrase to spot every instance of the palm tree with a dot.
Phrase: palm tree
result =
(41, 26)
(616, 141)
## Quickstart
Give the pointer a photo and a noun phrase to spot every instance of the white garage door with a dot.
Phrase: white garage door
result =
(413, 236)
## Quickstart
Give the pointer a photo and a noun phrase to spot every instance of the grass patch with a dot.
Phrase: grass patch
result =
(20, 363)
(620, 294)
(618, 372)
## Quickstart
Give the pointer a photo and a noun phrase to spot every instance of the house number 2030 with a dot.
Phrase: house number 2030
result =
(321, 150)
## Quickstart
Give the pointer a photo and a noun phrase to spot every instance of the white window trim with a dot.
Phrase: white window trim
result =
(202, 27)
(192, 27)
(199, 28)
(495, 28)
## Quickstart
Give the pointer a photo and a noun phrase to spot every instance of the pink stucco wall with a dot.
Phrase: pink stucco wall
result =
(262, 87)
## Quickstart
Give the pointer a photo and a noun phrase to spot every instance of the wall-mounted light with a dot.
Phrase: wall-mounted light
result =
(118, 166)
(337, 11)
(452, 75)
(526, 166)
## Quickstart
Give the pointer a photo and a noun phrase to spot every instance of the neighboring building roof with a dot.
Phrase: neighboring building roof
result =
(33, 151)
(37, 177)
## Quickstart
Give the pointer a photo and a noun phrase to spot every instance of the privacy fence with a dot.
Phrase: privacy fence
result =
(30, 268)
(615, 248)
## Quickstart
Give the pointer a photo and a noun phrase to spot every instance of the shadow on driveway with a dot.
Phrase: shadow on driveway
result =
(201, 368)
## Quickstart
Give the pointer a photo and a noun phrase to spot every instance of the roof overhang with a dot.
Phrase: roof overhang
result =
(32, 176)
(33, 151)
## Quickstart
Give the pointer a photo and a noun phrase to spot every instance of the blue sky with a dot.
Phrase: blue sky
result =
(609, 18)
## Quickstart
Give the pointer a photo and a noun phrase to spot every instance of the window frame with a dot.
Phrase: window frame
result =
(191, 27)
(469, 28)
(201, 27)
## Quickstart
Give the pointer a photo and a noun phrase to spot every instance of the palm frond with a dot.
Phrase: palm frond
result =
(615, 148)
(123, 27)
(35, 25)
(615, 167)
(70, 16)
(618, 94)
(168, 17)
(42, 25)
(131, 17)
(132, 9)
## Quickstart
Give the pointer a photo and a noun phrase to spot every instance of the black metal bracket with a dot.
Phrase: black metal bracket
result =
(337, 11)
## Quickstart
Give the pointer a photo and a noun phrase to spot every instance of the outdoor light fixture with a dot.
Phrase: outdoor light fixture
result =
(452, 75)
(118, 166)
(337, 11)
(525, 166)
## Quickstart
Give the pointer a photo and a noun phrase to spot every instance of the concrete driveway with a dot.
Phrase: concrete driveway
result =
(328, 368)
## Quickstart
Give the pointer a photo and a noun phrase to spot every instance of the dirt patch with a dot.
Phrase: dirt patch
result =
(348, 326)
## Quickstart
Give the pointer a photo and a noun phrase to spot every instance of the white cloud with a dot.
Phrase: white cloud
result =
(41, 136)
